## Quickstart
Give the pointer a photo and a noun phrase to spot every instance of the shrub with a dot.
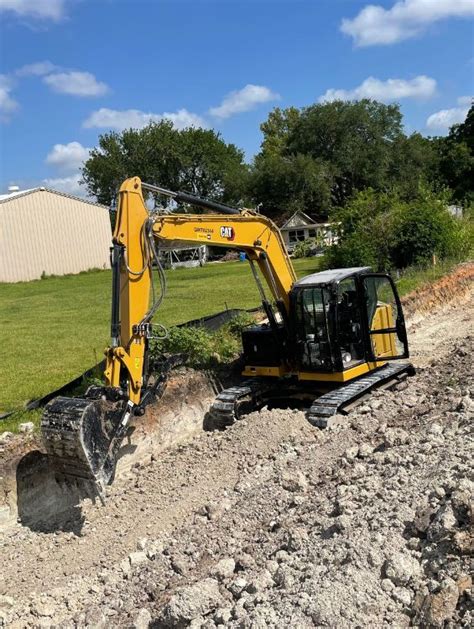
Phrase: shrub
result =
(380, 230)
(204, 348)
(425, 228)
(307, 248)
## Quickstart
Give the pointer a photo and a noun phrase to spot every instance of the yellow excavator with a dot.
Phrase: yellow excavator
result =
(328, 339)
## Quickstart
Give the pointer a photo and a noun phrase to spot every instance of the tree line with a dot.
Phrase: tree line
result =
(345, 160)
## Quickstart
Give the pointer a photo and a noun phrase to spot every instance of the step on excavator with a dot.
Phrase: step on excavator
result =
(328, 339)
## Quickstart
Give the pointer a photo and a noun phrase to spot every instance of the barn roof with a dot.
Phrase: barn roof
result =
(21, 193)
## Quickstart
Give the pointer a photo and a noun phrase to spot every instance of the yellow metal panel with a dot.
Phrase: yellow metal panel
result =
(342, 376)
(384, 344)
(129, 232)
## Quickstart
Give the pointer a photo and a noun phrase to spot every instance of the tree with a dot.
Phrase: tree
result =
(355, 137)
(276, 130)
(456, 159)
(283, 184)
(194, 160)
(352, 145)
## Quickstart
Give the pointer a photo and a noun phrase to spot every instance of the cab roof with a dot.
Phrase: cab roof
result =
(331, 276)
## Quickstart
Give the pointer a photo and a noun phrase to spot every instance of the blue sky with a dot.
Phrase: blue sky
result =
(73, 69)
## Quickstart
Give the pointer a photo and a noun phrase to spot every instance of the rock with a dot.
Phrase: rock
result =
(44, 608)
(217, 510)
(438, 608)
(402, 569)
(466, 404)
(192, 601)
(271, 566)
(95, 619)
(261, 582)
(293, 481)
(402, 595)
(237, 586)
(153, 549)
(6, 602)
(443, 523)
(26, 427)
(5, 437)
(365, 450)
(423, 516)
(351, 453)
(224, 569)
(387, 585)
(395, 437)
(137, 558)
(464, 583)
(223, 616)
(142, 619)
(125, 566)
(142, 543)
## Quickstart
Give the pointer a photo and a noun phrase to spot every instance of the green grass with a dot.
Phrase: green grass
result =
(55, 328)
(415, 277)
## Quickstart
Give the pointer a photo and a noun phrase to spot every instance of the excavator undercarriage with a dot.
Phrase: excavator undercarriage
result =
(328, 339)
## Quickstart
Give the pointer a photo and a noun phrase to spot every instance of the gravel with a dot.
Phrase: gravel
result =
(274, 523)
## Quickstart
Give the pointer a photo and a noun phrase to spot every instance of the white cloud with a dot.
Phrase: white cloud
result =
(390, 90)
(405, 19)
(445, 118)
(40, 9)
(67, 157)
(243, 100)
(69, 185)
(7, 104)
(40, 68)
(76, 83)
(136, 119)
(465, 100)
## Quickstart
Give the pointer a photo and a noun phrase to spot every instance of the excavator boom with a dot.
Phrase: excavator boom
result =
(83, 435)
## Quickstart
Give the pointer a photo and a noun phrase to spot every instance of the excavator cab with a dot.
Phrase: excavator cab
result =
(343, 319)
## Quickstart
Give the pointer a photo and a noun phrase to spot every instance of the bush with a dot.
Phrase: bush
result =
(307, 248)
(421, 230)
(203, 348)
(384, 232)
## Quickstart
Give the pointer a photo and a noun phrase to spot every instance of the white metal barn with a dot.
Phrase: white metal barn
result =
(45, 232)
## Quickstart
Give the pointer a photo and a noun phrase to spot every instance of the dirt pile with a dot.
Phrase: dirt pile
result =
(454, 286)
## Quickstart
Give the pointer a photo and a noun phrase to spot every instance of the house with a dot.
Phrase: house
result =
(45, 232)
(300, 227)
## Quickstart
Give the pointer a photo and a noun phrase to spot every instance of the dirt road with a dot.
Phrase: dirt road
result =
(274, 523)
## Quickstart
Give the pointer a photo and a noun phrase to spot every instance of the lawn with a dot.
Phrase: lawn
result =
(55, 328)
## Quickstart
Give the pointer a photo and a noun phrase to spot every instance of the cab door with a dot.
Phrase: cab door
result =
(386, 337)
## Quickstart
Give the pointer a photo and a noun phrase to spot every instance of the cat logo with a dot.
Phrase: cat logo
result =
(227, 232)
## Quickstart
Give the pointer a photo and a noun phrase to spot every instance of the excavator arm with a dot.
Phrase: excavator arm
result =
(136, 234)
(83, 435)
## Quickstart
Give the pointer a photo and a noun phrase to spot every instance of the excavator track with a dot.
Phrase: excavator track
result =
(232, 403)
(336, 401)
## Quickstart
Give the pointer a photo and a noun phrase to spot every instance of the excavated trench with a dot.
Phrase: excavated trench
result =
(30, 492)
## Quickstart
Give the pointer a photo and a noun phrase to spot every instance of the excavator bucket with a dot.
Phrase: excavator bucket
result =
(82, 436)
